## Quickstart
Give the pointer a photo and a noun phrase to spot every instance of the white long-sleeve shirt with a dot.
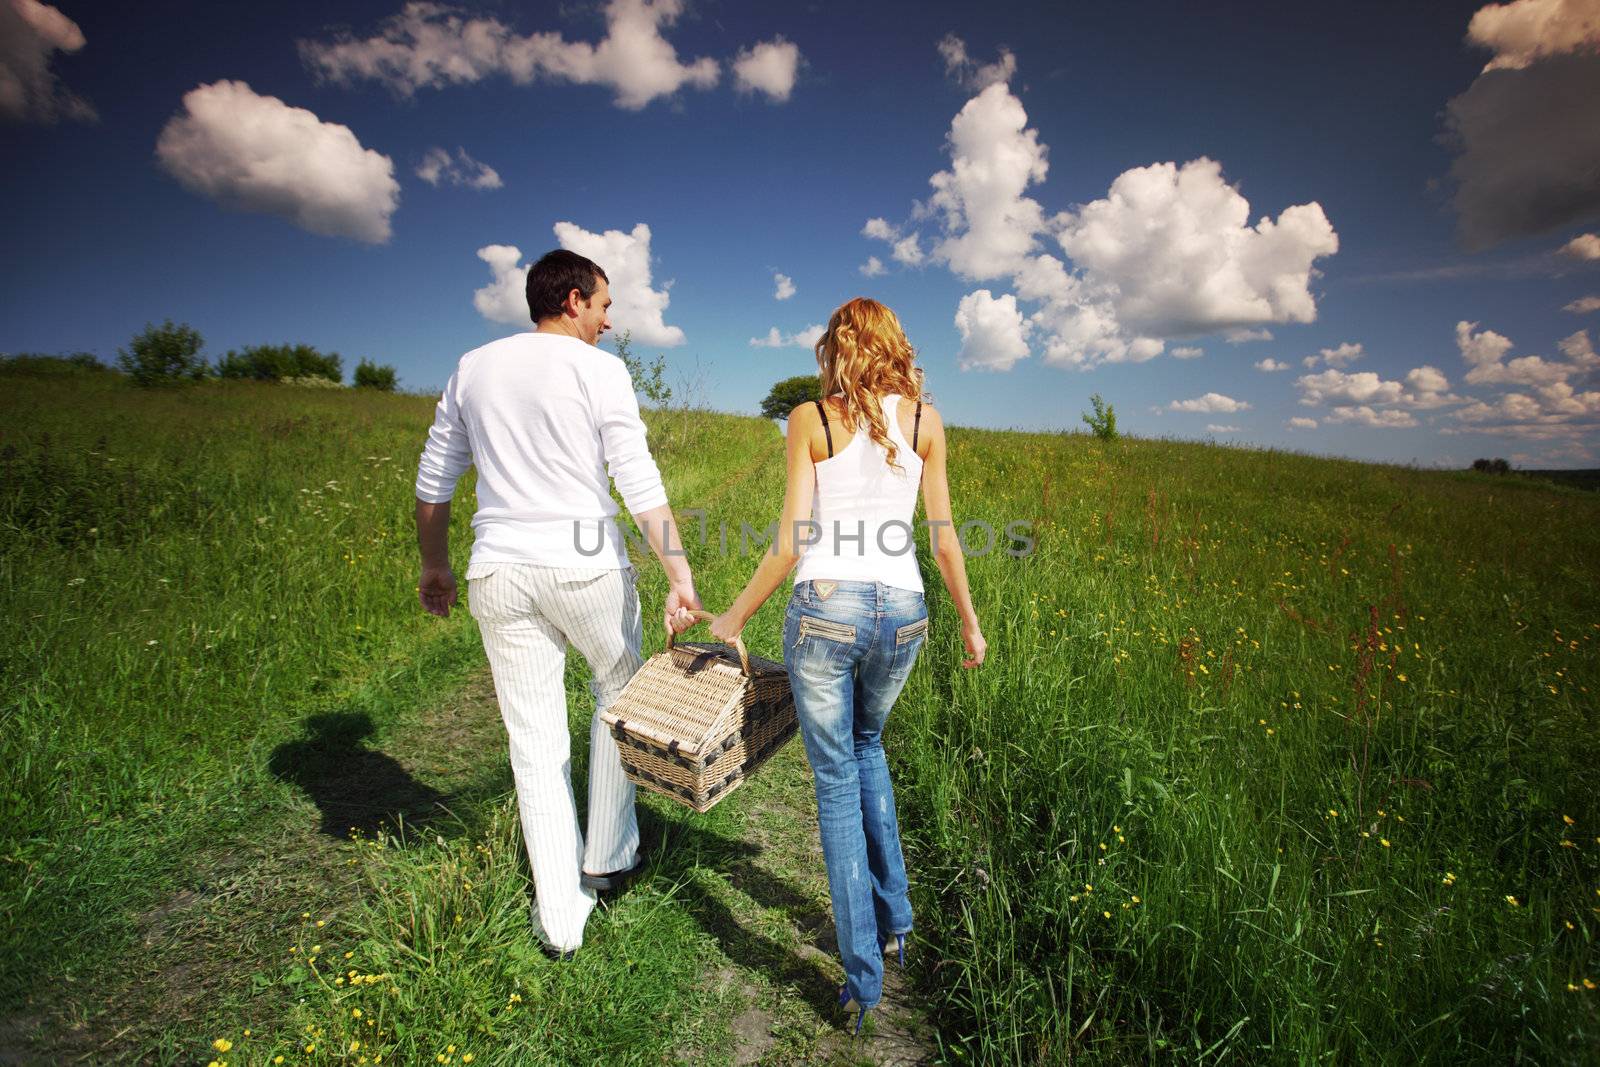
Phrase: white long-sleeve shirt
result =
(546, 419)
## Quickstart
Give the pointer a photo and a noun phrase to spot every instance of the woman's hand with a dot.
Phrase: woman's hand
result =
(726, 628)
(977, 647)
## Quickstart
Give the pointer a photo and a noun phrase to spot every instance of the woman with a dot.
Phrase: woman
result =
(856, 618)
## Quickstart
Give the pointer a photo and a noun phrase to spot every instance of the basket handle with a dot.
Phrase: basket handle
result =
(738, 643)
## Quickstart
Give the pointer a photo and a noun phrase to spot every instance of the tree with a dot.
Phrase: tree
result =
(278, 363)
(164, 355)
(370, 375)
(646, 380)
(1491, 466)
(1104, 420)
(789, 394)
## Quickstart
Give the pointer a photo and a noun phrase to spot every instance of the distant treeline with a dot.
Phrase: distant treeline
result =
(1577, 479)
(170, 354)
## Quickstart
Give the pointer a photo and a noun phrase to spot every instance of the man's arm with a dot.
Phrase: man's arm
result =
(661, 531)
(437, 586)
(444, 458)
(633, 469)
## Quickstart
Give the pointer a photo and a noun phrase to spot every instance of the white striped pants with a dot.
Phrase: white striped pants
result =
(528, 615)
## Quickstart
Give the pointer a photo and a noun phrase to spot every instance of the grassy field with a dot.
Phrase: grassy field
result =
(1275, 759)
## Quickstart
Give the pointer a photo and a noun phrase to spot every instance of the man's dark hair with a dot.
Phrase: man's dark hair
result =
(557, 274)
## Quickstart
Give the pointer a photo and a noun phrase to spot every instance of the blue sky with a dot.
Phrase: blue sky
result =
(273, 173)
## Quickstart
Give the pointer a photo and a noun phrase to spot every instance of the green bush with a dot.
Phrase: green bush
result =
(646, 380)
(789, 393)
(276, 363)
(43, 364)
(164, 355)
(370, 375)
(1104, 420)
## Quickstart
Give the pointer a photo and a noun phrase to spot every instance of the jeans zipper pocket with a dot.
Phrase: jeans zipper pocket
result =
(834, 631)
(910, 632)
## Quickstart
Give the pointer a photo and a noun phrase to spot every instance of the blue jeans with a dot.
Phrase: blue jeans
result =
(849, 647)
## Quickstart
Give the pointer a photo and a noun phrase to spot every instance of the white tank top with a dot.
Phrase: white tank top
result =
(863, 511)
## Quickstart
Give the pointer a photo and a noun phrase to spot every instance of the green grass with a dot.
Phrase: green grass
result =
(215, 659)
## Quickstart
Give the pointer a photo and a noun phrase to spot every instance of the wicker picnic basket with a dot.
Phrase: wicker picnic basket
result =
(697, 719)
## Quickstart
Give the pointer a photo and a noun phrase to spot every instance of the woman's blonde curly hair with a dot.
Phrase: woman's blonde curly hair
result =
(864, 355)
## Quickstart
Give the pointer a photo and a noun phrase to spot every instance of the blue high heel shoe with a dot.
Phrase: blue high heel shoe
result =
(848, 1004)
(896, 947)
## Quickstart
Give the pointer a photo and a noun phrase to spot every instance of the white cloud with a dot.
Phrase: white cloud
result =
(1167, 253)
(1271, 365)
(1301, 423)
(1519, 33)
(1244, 337)
(256, 153)
(1549, 413)
(1175, 245)
(783, 287)
(1484, 350)
(1580, 351)
(1342, 356)
(625, 257)
(1583, 305)
(880, 230)
(1214, 428)
(1210, 403)
(967, 73)
(505, 299)
(872, 267)
(429, 46)
(994, 334)
(908, 251)
(806, 338)
(438, 165)
(769, 67)
(1363, 387)
(1426, 379)
(990, 225)
(1367, 416)
(1583, 246)
(1187, 352)
(30, 34)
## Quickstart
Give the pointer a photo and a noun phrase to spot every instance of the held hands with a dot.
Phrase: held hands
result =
(681, 600)
(977, 647)
(436, 589)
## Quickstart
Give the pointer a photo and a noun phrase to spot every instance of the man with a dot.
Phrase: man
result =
(545, 416)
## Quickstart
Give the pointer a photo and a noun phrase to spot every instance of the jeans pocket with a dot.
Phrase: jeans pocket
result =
(828, 629)
(911, 631)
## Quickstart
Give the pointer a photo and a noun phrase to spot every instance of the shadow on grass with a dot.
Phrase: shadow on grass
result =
(356, 788)
(689, 856)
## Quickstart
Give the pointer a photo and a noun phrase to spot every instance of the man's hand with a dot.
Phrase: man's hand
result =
(437, 591)
(681, 600)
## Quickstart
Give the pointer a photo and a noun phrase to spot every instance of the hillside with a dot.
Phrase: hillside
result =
(1274, 756)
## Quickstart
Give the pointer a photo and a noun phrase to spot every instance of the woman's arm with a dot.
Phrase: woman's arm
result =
(942, 533)
(793, 523)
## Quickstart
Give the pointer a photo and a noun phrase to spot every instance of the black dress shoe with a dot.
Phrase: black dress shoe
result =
(606, 883)
(551, 952)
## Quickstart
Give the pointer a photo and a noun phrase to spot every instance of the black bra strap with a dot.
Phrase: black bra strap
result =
(916, 426)
(825, 429)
